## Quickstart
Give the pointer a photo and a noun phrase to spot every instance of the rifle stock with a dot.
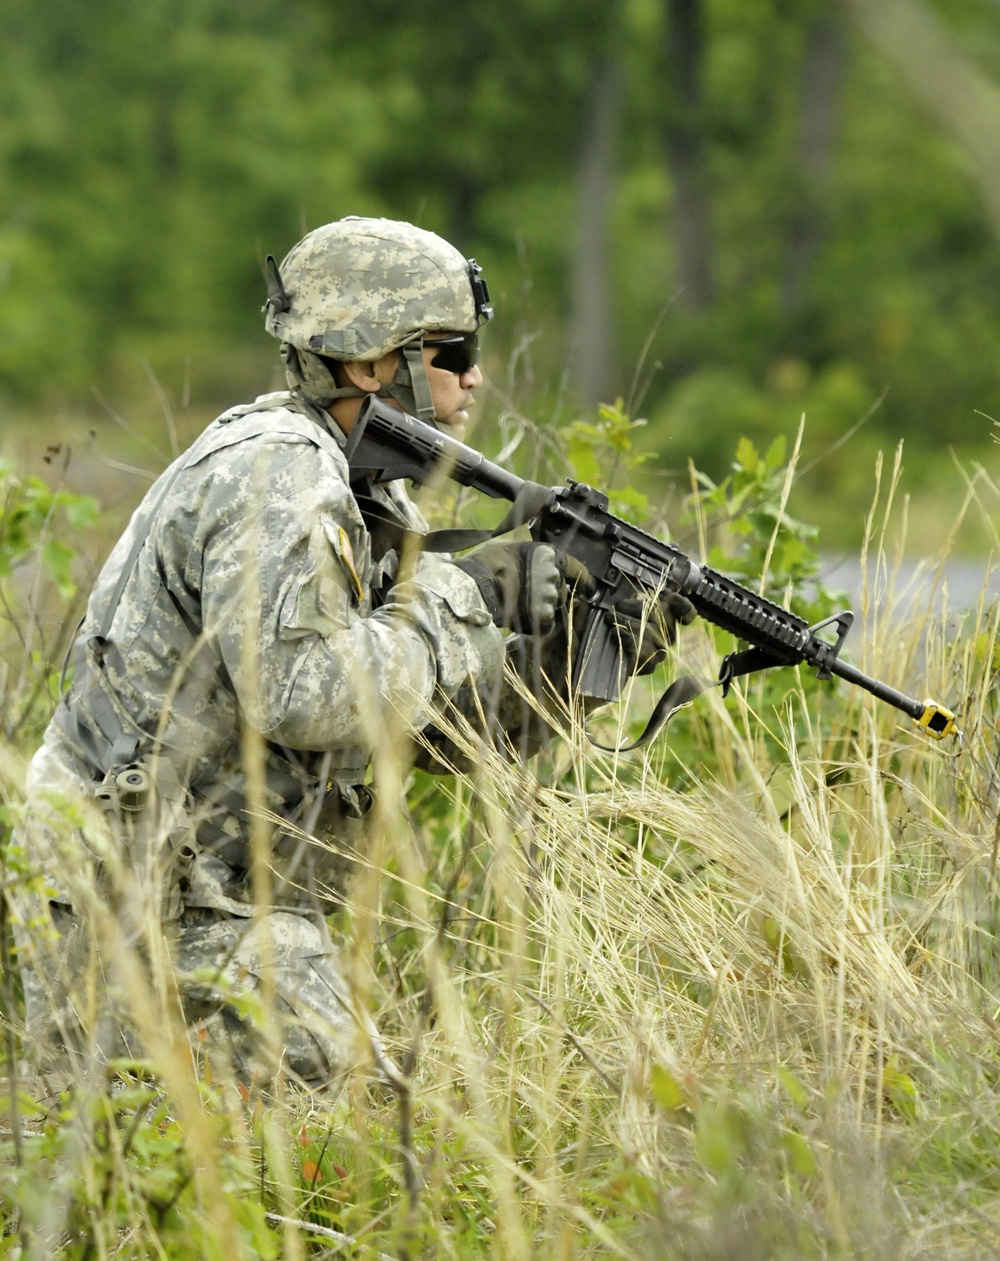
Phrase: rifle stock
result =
(386, 443)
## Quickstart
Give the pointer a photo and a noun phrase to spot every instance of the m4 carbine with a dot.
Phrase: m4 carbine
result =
(622, 560)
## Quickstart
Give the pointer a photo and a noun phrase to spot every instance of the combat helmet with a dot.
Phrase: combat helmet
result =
(358, 288)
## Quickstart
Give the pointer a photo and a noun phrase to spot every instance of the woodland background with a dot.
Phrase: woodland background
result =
(727, 212)
(731, 995)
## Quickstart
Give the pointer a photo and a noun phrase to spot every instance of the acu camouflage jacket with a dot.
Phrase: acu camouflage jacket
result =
(254, 594)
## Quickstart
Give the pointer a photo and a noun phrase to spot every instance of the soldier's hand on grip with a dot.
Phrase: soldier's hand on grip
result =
(647, 626)
(520, 583)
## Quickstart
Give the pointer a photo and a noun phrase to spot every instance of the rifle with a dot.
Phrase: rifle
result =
(386, 444)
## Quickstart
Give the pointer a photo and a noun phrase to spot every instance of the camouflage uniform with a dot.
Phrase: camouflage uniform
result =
(260, 598)
(257, 591)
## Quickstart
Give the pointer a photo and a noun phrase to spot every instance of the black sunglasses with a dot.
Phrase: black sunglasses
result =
(454, 354)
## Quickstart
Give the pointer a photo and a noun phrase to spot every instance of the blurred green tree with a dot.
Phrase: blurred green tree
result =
(153, 151)
(744, 204)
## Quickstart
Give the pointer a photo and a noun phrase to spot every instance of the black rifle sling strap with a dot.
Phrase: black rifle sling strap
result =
(681, 692)
(528, 504)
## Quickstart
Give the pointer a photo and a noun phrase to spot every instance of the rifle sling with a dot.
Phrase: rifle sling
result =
(528, 504)
(749, 661)
(680, 693)
(688, 687)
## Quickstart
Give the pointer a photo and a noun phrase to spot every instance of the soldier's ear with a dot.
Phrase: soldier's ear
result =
(361, 374)
(371, 376)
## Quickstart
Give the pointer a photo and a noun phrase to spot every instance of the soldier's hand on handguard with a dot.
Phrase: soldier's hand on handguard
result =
(521, 584)
(647, 627)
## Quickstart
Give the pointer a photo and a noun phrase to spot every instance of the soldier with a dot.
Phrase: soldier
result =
(252, 638)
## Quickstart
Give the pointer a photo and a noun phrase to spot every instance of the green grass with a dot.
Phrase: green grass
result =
(736, 996)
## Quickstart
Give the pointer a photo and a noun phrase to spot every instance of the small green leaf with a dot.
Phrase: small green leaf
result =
(800, 1154)
(776, 453)
(58, 560)
(81, 510)
(666, 1089)
(746, 456)
(793, 1087)
(901, 1089)
(584, 461)
(717, 1142)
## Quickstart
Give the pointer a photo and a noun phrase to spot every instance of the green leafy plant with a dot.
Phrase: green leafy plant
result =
(602, 451)
(755, 537)
(40, 527)
(30, 513)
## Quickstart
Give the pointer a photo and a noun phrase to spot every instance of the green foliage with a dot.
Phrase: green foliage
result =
(122, 1164)
(40, 527)
(30, 511)
(153, 154)
(761, 542)
(602, 452)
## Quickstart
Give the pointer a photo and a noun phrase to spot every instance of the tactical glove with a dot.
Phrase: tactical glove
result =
(646, 627)
(520, 584)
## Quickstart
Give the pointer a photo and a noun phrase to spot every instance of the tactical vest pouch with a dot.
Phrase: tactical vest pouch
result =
(146, 808)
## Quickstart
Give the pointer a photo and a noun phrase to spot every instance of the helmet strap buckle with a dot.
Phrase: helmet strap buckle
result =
(411, 373)
(480, 294)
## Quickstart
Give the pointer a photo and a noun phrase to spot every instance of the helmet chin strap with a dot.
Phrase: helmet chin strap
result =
(410, 387)
(310, 376)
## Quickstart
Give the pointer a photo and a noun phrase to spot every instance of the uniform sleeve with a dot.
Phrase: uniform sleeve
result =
(285, 596)
(514, 725)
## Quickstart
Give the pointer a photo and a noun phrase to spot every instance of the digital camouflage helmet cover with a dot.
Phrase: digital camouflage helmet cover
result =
(356, 289)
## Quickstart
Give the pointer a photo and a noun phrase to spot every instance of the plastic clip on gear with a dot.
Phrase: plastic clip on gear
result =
(125, 790)
(937, 721)
(133, 784)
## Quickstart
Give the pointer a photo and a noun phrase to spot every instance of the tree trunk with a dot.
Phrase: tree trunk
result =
(591, 324)
(685, 143)
(824, 61)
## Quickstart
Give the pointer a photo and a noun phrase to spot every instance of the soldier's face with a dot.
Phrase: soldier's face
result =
(453, 393)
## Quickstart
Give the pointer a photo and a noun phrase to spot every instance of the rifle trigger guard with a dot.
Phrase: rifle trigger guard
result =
(843, 621)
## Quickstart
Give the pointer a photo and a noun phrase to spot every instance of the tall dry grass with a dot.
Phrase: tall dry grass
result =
(736, 996)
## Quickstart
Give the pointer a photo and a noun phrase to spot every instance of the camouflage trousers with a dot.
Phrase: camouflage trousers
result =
(263, 995)
(147, 963)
